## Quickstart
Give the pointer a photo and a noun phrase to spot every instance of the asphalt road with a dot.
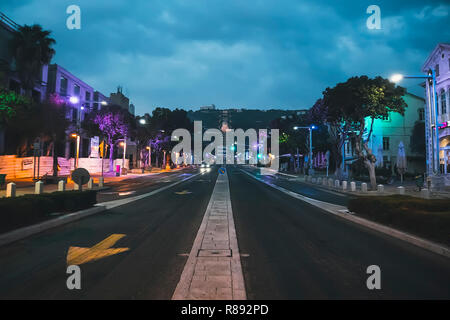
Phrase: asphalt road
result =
(298, 251)
(138, 185)
(289, 249)
(159, 229)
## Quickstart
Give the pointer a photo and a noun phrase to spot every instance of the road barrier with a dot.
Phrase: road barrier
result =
(11, 190)
(39, 187)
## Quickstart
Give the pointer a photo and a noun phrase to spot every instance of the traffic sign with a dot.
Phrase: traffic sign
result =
(80, 176)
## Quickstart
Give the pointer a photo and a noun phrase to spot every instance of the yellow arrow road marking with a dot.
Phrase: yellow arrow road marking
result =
(79, 255)
(183, 192)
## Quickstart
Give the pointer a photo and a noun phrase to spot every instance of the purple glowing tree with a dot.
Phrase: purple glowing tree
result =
(114, 123)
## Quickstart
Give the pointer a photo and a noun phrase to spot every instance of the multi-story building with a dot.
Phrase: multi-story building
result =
(439, 60)
(81, 99)
(390, 131)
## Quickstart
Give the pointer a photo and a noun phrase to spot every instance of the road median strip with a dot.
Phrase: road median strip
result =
(213, 269)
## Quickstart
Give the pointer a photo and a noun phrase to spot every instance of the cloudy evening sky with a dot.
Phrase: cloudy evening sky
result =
(235, 53)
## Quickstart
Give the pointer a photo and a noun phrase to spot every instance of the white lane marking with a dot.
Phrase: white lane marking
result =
(344, 213)
(321, 204)
(213, 269)
(121, 202)
(297, 179)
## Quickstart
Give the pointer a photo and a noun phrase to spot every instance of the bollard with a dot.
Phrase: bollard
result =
(313, 180)
(39, 187)
(319, 180)
(364, 187)
(425, 193)
(353, 186)
(324, 182)
(401, 190)
(336, 184)
(90, 183)
(11, 190)
(61, 185)
(101, 182)
(344, 185)
(330, 182)
(380, 188)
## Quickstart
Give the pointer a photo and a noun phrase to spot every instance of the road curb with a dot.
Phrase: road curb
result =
(343, 212)
(24, 232)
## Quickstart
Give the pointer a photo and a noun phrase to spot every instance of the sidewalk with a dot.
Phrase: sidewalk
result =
(389, 189)
(27, 185)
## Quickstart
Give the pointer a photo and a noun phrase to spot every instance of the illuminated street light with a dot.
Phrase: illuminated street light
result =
(142, 121)
(104, 103)
(74, 100)
(432, 94)
(77, 136)
(310, 128)
(396, 78)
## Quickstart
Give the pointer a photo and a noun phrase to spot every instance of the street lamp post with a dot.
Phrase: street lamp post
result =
(432, 164)
(310, 128)
(75, 100)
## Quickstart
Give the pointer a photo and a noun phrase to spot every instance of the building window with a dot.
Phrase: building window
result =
(443, 103)
(436, 68)
(385, 143)
(74, 115)
(63, 86)
(386, 118)
(422, 114)
(76, 90)
(88, 100)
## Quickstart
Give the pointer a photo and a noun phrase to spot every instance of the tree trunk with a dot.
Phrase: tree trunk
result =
(373, 179)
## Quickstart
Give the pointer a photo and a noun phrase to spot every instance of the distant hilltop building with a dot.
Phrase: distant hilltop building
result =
(211, 107)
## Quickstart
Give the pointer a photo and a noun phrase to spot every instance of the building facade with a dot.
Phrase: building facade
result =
(439, 60)
(81, 99)
(389, 132)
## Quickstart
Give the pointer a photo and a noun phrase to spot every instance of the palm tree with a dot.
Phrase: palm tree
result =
(32, 48)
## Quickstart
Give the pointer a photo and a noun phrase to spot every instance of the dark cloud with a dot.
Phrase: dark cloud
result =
(235, 53)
